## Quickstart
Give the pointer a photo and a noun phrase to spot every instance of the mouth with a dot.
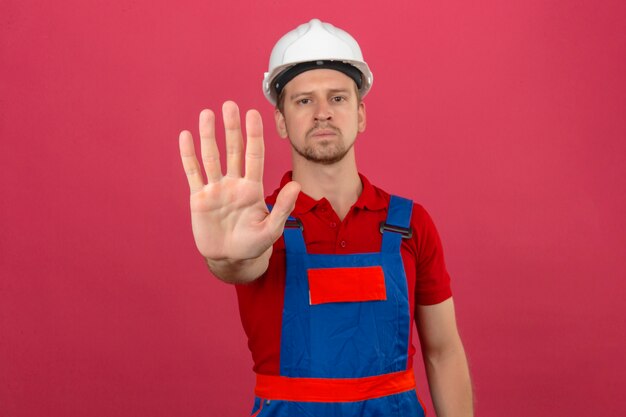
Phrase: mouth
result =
(322, 133)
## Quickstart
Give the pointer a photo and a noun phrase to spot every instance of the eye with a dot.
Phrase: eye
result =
(338, 99)
(304, 101)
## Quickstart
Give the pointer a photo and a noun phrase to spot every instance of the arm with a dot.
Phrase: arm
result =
(444, 359)
(231, 224)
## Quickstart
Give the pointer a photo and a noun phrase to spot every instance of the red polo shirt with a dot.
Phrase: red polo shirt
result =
(261, 302)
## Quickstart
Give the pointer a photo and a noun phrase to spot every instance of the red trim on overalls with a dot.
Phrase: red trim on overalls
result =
(331, 390)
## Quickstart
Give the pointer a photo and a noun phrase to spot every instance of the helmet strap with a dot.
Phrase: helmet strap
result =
(290, 73)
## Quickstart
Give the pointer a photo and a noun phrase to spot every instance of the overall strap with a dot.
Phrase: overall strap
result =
(294, 239)
(398, 224)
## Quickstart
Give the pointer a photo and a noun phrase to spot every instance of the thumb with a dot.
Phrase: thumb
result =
(285, 203)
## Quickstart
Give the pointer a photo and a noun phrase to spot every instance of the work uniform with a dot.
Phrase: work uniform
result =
(329, 324)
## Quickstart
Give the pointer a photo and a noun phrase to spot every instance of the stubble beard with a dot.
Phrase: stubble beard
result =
(322, 151)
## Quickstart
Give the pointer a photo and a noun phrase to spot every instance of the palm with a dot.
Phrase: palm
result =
(228, 214)
(227, 219)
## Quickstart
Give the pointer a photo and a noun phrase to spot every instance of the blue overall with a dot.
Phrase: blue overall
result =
(346, 339)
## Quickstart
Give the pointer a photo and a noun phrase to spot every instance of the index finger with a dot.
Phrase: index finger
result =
(190, 163)
(255, 148)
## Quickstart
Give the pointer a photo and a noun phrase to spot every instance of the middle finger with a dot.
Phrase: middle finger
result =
(234, 139)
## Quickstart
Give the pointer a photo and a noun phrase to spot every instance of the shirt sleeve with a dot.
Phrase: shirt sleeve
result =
(432, 284)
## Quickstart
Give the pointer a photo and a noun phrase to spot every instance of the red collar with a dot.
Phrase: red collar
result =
(371, 198)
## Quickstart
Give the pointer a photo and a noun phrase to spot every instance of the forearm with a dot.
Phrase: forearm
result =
(449, 382)
(239, 271)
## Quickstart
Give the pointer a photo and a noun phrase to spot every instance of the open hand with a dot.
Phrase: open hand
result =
(229, 218)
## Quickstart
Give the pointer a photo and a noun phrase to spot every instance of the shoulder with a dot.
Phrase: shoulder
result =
(419, 215)
(425, 234)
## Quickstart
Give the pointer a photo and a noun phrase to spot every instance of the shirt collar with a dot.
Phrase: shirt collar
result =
(371, 198)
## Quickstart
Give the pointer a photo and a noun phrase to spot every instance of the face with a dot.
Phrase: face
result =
(322, 115)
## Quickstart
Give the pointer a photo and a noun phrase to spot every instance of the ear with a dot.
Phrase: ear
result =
(361, 117)
(281, 126)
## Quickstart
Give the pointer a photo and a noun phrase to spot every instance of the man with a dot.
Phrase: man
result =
(329, 280)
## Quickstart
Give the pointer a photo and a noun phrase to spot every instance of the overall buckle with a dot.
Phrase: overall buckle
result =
(406, 232)
(294, 224)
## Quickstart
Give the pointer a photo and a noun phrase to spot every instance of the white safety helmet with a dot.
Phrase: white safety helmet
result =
(323, 46)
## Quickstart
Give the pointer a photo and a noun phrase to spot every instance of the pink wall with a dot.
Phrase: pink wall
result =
(505, 119)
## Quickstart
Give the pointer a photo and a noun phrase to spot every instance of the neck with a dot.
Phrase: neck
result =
(339, 183)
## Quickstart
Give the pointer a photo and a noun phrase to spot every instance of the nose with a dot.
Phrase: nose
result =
(323, 111)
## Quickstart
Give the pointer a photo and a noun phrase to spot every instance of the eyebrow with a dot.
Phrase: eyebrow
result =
(308, 93)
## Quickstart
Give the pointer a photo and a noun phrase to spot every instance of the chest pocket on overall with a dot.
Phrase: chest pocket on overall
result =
(334, 285)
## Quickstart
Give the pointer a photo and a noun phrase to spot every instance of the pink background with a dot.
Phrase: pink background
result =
(505, 119)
